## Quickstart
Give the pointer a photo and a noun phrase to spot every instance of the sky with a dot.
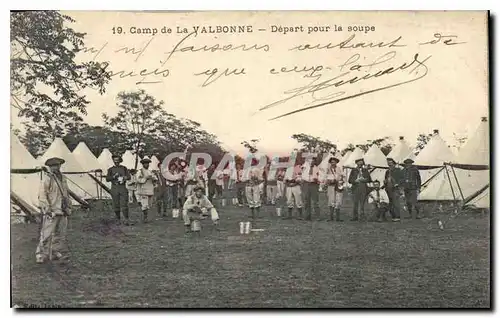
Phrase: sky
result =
(445, 87)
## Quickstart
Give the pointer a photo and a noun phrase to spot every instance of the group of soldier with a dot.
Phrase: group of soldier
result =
(192, 190)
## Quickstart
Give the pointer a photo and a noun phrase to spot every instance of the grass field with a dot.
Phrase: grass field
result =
(290, 264)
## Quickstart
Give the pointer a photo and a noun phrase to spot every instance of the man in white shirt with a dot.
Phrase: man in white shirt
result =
(254, 180)
(145, 187)
(293, 191)
(196, 205)
(379, 200)
(334, 181)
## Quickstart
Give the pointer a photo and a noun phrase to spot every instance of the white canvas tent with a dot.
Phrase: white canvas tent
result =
(105, 160)
(376, 158)
(467, 174)
(86, 158)
(78, 179)
(25, 185)
(154, 163)
(401, 151)
(356, 154)
(432, 158)
(345, 157)
(481, 200)
(128, 159)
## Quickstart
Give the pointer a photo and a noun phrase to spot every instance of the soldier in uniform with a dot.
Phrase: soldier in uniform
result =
(172, 185)
(118, 175)
(392, 185)
(310, 187)
(239, 185)
(412, 184)
(55, 207)
(334, 181)
(196, 206)
(359, 179)
(160, 191)
(145, 187)
(293, 191)
(271, 187)
(253, 189)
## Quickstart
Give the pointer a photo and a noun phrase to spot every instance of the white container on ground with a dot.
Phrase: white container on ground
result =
(175, 213)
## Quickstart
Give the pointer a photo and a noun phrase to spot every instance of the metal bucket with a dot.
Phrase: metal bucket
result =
(175, 213)
(196, 226)
(278, 211)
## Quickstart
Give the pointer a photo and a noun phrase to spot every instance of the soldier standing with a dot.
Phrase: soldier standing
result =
(392, 186)
(55, 207)
(359, 178)
(118, 175)
(310, 178)
(412, 184)
(334, 181)
(253, 190)
(145, 187)
(293, 191)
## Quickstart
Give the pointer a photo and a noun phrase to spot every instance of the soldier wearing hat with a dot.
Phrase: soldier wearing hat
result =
(310, 188)
(359, 179)
(254, 188)
(334, 181)
(393, 187)
(195, 206)
(145, 187)
(118, 175)
(55, 207)
(412, 183)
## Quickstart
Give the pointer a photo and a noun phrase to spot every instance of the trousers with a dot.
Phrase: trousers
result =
(253, 196)
(294, 195)
(272, 193)
(411, 198)
(311, 198)
(359, 193)
(119, 195)
(334, 197)
(53, 232)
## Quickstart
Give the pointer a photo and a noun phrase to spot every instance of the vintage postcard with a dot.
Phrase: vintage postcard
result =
(301, 159)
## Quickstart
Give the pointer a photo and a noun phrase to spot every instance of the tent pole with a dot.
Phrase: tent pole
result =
(458, 184)
(452, 191)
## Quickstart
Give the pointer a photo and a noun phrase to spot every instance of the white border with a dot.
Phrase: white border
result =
(203, 5)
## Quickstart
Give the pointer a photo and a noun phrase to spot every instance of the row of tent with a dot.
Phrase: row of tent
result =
(445, 176)
(85, 172)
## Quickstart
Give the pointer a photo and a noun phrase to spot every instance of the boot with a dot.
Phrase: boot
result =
(145, 216)
(289, 214)
(337, 215)
(332, 211)
(300, 214)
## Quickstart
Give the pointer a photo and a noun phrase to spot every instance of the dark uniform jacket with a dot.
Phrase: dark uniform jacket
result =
(353, 176)
(411, 178)
(393, 178)
(120, 171)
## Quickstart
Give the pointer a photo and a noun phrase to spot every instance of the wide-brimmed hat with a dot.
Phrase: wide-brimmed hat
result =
(199, 188)
(54, 161)
(332, 159)
(120, 159)
(391, 160)
(359, 160)
(408, 161)
(145, 160)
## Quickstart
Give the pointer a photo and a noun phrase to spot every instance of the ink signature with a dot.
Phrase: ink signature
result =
(351, 73)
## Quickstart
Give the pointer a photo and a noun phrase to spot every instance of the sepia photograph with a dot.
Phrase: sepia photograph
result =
(250, 159)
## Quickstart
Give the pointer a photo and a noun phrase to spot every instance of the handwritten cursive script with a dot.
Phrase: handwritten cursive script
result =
(349, 78)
